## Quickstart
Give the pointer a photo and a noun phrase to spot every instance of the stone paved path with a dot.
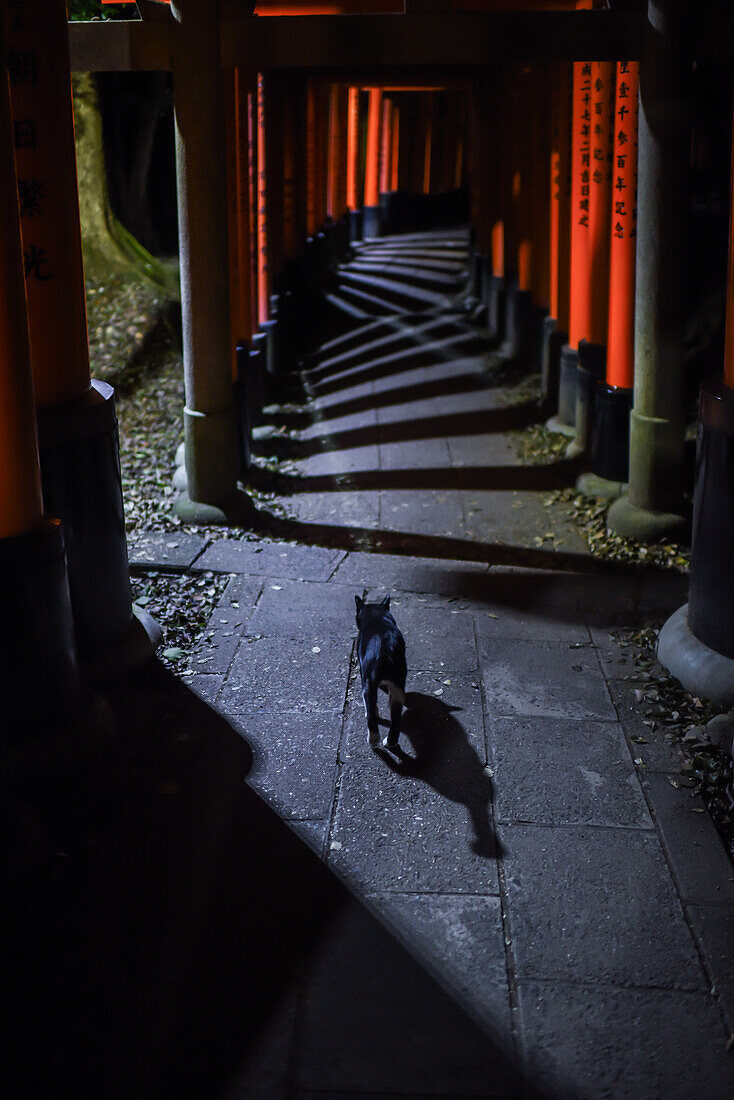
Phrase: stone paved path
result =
(519, 903)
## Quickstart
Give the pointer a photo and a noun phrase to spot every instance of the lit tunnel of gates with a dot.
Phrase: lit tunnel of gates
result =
(379, 206)
(405, 235)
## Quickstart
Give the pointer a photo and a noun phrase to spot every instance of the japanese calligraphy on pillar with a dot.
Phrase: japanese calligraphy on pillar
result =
(583, 112)
(602, 103)
(262, 222)
(624, 162)
(252, 143)
(579, 323)
(620, 337)
(43, 138)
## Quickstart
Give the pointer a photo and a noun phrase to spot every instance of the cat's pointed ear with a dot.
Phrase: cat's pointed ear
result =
(359, 603)
(386, 603)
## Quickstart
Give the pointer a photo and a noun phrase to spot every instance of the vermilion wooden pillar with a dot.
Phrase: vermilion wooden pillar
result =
(610, 446)
(336, 171)
(322, 150)
(524, 182)
(341, 163)
(371, 214)
(38, 667)
(480, 192)
(252, 158)
(386, 146)
(519, 218)
(511, 128)
(621, 328)
(603, 81)
(427, 127)
(598, 178)
(332, 182)
(274, 136)
(555, 332)
(292, 227)
(21, 505)
(496, 169)
(560, 199)
(540, 284)
(580, 290)
(77, 427)
(311, 159)
(353, 205)
(263, 276)
(239, 206)
(449, 134)
(395, 150)
(46, 167)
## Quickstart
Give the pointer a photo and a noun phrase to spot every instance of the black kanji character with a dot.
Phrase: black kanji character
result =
(34, 260)
(24, 132)
(22, 67)
(30, 193)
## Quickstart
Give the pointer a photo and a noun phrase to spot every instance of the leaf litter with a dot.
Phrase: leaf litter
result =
(708, 768)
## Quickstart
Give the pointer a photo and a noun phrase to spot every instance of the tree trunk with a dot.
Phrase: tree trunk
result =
(108, 246)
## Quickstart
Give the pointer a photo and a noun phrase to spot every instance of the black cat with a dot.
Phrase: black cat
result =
(381, 652)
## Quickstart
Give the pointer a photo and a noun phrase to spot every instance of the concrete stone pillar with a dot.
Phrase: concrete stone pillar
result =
(201, 175)
(652, 510)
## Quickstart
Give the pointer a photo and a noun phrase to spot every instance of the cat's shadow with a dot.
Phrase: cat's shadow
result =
(443, 757)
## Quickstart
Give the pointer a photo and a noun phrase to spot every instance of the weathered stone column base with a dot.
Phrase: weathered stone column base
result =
(371, 221)
(496, 308)
(237, 511)
(210, 441)
(136, 646)
(355, 225)
(591, 485)
(591, 366)
(631, 522)
(555, 424)
(655, 466)
(702, 671)
(80, 468)
(564, 422)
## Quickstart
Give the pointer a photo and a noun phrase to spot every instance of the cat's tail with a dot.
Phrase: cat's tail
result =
(396, 694)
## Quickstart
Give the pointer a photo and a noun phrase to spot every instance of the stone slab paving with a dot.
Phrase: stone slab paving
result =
(171, 551)
(527, 906)
(567, 911)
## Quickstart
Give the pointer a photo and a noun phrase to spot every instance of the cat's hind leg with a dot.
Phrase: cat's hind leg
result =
(369, 694)
(397, 698)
